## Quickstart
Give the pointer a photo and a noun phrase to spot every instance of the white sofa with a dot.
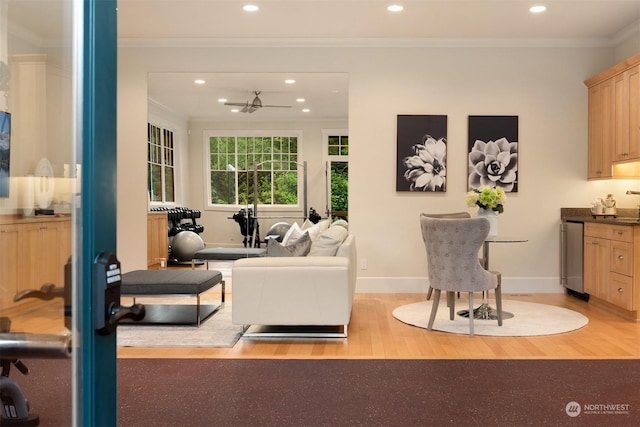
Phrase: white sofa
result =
(296, 291)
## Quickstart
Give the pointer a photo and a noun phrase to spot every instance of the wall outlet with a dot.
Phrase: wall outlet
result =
(364, 264)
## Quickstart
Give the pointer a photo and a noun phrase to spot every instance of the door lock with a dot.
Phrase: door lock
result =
(107, 279)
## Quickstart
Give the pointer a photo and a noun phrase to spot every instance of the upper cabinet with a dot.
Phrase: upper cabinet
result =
(601, 135)
(614, 122)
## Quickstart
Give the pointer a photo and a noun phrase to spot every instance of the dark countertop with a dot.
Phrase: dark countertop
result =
(623, 216)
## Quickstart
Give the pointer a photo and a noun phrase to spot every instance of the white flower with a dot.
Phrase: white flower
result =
(491, 198)
(426, 169)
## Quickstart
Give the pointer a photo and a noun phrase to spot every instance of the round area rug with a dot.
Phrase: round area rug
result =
(529, 319)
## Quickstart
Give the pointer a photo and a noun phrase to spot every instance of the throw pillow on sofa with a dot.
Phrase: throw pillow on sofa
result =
(314, 230)
(293, 234)
(300, 247)
(328, 242)
(340, 223)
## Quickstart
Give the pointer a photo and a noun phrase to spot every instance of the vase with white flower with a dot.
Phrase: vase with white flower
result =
(490, 201)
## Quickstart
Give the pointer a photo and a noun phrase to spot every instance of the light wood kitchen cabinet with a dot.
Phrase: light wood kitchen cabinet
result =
(611, 271)
(596, 266)
(41, 251)
(157, 237)
(626, 115)
(34, 252)
(601, 132)
(614, 121)
(10, 263)
(621, 291)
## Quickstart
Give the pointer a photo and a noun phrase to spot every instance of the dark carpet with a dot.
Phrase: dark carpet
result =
(202, 392)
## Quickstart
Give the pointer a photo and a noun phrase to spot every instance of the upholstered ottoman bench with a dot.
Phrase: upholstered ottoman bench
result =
(173, 283)
(225, 254)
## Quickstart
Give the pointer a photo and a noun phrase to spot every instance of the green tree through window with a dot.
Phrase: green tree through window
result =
(231, 169)
(160, 164)
(337, 151)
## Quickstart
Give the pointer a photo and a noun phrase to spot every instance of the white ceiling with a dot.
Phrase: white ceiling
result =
(502, 19)
(329, 23)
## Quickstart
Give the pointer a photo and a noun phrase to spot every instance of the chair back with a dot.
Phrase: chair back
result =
(447, 215)
(452, 246)
(444, 215)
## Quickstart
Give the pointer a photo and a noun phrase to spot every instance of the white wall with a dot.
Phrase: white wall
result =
(543, 86)
(629, 42)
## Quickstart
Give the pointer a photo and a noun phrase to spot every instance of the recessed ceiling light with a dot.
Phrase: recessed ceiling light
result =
(395, 8)
(305, 110)
(289, 81)
(199, 81)
(537, 9)
(300, 100)
(235, 110)
(222, 99)
(250, 8)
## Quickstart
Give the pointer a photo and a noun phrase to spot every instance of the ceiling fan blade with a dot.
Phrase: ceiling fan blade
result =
(254, 105)
(248, 109)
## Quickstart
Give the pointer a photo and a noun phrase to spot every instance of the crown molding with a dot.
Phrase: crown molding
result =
(365, 42)
(626, 33)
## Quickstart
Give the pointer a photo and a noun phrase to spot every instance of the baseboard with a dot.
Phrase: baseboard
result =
(510, 285)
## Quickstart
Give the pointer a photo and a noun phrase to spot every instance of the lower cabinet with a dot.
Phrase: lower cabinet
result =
(157, 237)
(10, 263)
(34, 253)
(609, 267)
(621, 291)
(596, 266)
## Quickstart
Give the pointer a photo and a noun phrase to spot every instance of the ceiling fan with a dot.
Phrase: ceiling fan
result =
(254, 105)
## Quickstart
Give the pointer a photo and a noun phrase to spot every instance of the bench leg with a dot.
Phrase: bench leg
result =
(198, 310)
(193, 263)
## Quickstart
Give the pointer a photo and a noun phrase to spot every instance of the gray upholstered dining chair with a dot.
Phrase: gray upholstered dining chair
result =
(452, 247)
(442, 215)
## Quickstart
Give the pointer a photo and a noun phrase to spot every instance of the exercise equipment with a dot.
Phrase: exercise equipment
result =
(249, 227)
(183, 245)
(15, 407)
(182, 220)
(277, 231)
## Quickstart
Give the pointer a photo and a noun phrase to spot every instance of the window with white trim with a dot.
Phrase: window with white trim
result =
(231, 158)
(337, 154)
(160, 164)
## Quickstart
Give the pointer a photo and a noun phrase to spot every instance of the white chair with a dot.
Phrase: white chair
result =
(452, 247)
(443, 215)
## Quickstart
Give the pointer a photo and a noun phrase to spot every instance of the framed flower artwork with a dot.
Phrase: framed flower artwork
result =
(493, 152)
(421, 153)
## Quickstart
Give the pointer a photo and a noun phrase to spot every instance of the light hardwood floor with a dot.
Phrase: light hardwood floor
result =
(375, 334)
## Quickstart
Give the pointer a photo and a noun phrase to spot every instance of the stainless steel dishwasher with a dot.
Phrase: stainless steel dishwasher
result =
(571, 258)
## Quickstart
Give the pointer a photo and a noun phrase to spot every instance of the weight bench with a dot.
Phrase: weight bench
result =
(225, 254)
(173, 283)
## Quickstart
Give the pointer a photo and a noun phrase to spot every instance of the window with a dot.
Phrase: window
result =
(231, 168)
(160, 164)
(337, 152)
(338, 145)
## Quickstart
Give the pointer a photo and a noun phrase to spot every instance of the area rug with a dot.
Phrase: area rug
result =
(216, 331)
(529, 319)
